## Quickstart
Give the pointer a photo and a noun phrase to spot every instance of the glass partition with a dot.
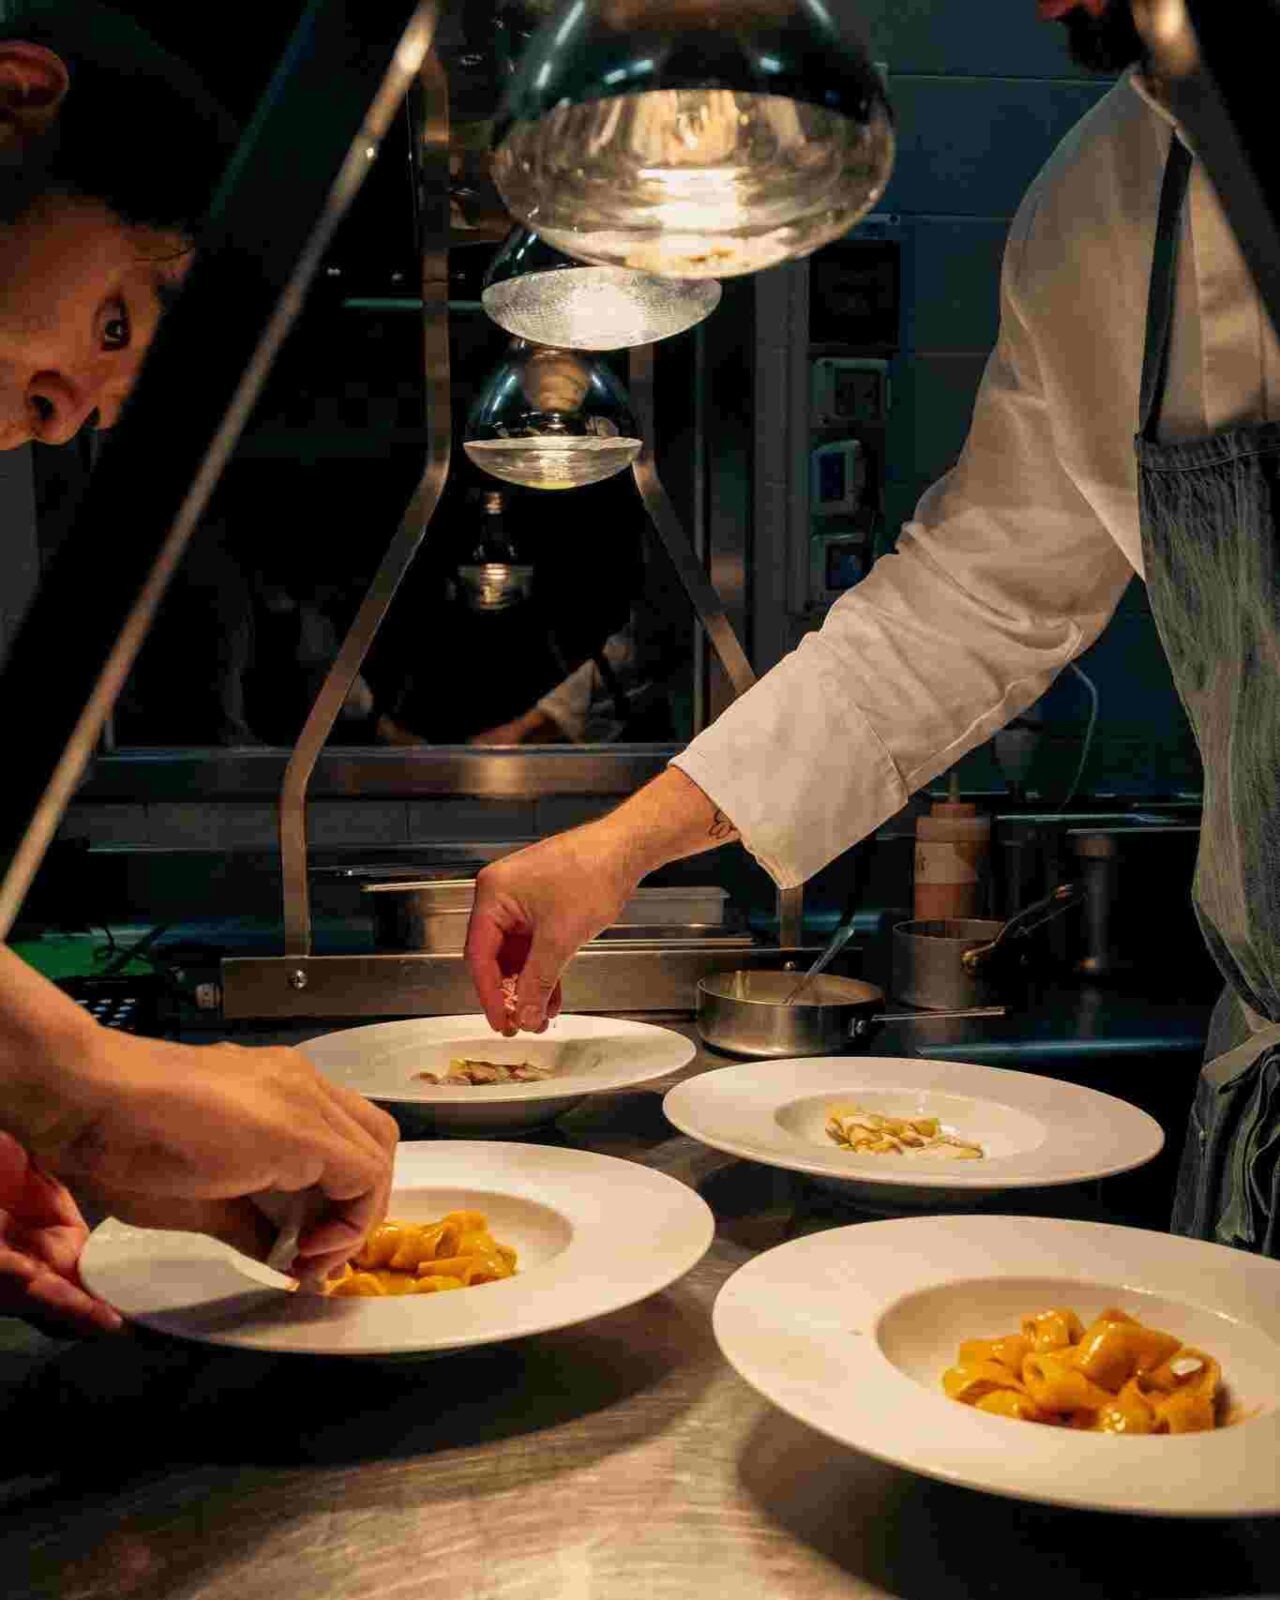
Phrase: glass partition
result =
(590, 648)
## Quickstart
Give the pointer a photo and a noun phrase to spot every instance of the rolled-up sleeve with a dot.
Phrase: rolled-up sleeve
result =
(1005, 575)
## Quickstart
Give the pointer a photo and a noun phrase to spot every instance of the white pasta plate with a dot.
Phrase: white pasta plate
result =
(849, 1331)
(586, 1055)
(592, 1234)
(1036, 1132)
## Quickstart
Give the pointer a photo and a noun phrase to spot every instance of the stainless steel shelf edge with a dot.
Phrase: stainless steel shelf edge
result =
(525, 773)
(661, 979)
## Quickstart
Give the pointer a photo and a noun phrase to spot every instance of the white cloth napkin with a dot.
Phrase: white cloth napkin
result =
(290, 1213)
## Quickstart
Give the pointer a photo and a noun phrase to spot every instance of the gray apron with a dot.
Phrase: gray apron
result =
(1211, 547)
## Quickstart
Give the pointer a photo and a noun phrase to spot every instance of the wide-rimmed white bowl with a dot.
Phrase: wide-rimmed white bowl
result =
(587, 1055)
(593, 1234)
(1037, 1132)
(850, 1331)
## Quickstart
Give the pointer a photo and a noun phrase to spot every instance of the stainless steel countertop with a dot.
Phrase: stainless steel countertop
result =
(619, 1458)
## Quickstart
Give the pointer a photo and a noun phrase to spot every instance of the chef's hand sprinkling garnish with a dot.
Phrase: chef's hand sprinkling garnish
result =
(532, 911)
(535, 909)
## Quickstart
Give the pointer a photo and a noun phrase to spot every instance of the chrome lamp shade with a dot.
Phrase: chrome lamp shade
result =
(539, 294)
(551, 419)
(693, 138)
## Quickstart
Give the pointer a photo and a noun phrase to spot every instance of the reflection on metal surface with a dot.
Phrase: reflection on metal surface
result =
(433, 167)
(495, 586)
(657, 978)
(495, 578)
(82, 743)
(551, 419)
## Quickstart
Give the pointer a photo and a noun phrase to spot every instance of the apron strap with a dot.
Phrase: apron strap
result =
(1164, 289)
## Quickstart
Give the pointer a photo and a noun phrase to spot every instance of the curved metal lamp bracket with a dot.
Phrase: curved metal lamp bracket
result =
(707, 604)
(433, 175)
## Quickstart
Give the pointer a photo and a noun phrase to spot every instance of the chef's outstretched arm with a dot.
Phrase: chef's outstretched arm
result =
(1006, 574)
(534, 909)
(181, 1135)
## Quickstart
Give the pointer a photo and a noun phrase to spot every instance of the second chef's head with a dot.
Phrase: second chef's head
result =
(109, 151)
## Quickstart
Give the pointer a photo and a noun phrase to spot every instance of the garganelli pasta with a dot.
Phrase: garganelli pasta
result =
(426, 1257)
(1115, 1376)
(465, 1069)
(868, 1133)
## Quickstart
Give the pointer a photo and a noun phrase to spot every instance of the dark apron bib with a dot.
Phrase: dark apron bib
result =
(1210, 523)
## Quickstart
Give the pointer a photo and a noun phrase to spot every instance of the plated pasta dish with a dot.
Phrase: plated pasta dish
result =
(868, 1133)
(465, 1069)
(1115, 1376)
(425, 1258)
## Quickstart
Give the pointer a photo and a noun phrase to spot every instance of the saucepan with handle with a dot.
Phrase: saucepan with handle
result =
(747, 1014)
(968, 961)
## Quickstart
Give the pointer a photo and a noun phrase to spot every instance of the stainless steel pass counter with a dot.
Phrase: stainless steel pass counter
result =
(621, 1458)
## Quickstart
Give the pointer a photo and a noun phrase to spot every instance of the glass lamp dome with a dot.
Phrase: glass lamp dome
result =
(536, 293)
(692, 138)
(551, 419)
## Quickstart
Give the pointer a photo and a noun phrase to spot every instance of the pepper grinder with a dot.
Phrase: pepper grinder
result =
(953, 849)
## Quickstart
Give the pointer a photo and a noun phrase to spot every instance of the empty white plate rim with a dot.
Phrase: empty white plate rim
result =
(632, 1232)
(799, 1325)
(1089, 1134)
(357, 1058)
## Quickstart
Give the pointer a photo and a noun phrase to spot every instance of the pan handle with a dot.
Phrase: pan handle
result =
(1026, 921)
(861, 1026)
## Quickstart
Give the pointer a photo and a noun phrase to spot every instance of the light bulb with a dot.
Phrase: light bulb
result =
(538, 294)
(551, 419)
(690, 139)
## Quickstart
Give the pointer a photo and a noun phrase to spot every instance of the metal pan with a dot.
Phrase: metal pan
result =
(432, 914)
(745, 1014)
(967, 961)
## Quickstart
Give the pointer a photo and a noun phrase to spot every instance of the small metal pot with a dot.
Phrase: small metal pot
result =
(428, 914)
(432, 914)
(967, 961)
(745, 1014)
(929, 968)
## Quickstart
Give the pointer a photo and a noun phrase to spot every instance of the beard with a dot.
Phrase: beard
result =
(1109, 43)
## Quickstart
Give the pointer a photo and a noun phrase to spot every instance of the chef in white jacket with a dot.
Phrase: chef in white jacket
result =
(1011, 569)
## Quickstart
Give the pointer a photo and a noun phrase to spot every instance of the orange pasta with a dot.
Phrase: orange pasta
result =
(1115, 1376)
(425, 1258)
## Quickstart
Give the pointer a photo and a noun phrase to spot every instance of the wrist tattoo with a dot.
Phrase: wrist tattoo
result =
(721, 828)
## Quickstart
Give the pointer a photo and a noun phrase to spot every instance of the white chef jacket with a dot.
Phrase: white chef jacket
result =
(1016, 560)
